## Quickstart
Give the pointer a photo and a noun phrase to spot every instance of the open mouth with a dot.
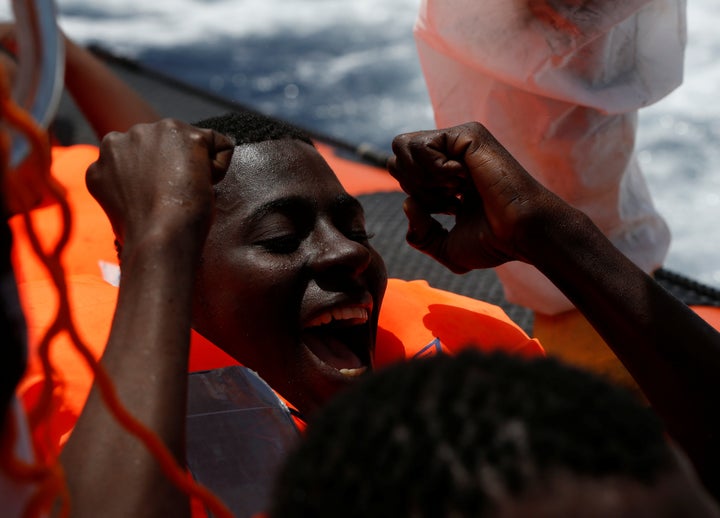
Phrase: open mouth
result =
(340, 338)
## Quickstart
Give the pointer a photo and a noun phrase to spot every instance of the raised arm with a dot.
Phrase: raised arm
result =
(502, 214)
(105, 100)
(108, 103)
(155, 184)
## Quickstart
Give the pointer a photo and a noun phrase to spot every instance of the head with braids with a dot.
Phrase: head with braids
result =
(288, 283)
(478, 435)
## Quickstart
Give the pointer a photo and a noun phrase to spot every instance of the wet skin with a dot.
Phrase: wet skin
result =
(289, 284)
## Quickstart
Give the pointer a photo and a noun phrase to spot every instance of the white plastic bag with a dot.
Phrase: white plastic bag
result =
(559, 83)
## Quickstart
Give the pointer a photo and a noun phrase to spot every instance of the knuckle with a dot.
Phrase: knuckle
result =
(197, 137)
(169, 123)
(398, 142)
(476, 127)
(110, 139)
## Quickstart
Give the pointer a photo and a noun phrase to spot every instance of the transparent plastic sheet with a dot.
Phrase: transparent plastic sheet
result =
(14, 495)
(559, 83)
(238, 434)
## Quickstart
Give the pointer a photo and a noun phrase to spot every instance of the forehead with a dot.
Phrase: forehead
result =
(275, 169)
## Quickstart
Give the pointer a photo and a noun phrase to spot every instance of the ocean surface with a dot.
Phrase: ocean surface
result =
(349, 68)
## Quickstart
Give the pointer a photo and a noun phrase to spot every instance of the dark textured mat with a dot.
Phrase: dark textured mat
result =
(238, 433)
(690, 291)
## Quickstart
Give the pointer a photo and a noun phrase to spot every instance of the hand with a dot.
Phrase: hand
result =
(499, 208)
(156, 180)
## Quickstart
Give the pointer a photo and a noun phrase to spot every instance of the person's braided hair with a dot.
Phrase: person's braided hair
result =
(440, 437)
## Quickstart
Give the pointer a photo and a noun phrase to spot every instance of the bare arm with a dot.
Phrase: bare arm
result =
(160, 206)
(108, 103)
(503, 214)
(105, 100)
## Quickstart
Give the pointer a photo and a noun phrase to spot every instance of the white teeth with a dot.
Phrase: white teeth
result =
(351, 373)
(345, 313)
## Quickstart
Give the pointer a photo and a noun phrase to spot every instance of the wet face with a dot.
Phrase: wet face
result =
(289, 284)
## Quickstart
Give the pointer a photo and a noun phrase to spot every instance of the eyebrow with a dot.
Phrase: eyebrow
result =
(343, 203)
(348, 203)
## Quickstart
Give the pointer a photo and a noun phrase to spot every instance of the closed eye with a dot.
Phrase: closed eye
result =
(285, 244)
(361, 236)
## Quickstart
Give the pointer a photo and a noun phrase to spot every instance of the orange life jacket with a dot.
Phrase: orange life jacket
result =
(416, 320)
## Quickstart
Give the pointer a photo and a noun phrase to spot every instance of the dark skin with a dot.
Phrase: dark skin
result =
(288, 247)
(503, 214)
(136, 487)
(160, 206)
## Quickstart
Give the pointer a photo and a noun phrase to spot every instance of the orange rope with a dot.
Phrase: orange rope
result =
(29, 187)
(167, 462)
(50, 479)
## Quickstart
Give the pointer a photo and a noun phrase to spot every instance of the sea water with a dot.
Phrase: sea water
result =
(348, 68)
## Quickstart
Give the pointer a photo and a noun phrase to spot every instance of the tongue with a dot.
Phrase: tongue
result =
(332, 351)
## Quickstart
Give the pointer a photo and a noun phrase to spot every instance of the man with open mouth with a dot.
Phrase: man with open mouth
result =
(288, 284)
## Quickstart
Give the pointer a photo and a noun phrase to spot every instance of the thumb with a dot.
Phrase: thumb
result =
(220, 150)
(426, 234)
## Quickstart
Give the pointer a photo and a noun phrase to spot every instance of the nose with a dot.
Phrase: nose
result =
(335, 254)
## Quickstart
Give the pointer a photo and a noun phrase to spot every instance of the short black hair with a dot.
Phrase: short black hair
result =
(424, 438)
(249, 127)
